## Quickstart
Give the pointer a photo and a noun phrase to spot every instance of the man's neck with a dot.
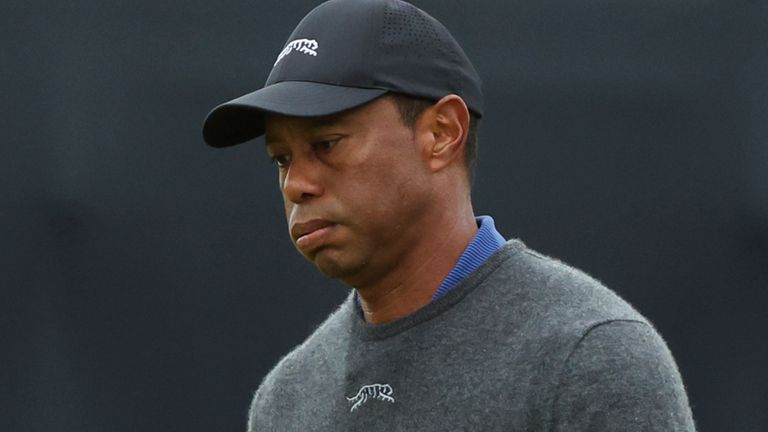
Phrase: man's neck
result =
(418, 276)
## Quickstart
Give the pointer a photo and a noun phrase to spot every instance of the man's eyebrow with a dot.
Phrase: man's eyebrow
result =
(270, 139)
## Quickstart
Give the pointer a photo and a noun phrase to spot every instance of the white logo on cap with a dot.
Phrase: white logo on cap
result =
(304, 46)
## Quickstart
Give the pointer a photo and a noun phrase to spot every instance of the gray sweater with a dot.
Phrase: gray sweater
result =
(525, 343)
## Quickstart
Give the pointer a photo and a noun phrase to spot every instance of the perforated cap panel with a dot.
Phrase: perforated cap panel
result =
(406, 30)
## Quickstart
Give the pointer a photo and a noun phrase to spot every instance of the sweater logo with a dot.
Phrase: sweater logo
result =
(304, 46)
(382, 392)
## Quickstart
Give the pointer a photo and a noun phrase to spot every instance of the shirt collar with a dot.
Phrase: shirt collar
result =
(485, 243)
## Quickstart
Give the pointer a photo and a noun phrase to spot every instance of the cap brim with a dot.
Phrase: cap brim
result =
(242, 119)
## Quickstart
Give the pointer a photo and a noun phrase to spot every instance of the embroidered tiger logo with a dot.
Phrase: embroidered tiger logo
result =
(382, 392)
(304, 46)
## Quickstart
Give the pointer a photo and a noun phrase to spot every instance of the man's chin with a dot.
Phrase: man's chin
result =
(334, 267)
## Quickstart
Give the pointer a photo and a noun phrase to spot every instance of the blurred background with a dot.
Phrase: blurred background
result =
(147, 281)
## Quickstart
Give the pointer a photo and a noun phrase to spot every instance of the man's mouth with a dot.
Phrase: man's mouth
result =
(311, 234)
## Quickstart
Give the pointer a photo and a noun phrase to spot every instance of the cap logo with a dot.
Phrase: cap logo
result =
(304, 46)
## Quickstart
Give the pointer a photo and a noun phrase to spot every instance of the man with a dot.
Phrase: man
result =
(370, 115)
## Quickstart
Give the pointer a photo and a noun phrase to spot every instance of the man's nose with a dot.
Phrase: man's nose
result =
(301, 180)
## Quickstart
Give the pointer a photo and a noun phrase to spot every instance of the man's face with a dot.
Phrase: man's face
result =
(355, 188)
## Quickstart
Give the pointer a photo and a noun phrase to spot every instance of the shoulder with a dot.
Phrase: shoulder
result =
(289, 378)
(317, 349)
(621, 376)
(608, 367)
(537, 288)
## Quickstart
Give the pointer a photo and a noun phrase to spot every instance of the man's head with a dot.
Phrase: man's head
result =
(370, 112)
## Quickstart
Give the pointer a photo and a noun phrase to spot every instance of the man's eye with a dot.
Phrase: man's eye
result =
(325, 145)
(281, 161)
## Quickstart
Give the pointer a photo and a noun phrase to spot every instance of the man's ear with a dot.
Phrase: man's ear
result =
(445, 126)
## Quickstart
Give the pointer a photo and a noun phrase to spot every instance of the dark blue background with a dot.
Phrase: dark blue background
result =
(147, 281)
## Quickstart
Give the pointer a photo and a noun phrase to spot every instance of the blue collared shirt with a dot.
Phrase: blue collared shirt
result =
(485, 243)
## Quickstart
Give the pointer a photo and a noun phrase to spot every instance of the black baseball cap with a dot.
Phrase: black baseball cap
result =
(345, 53)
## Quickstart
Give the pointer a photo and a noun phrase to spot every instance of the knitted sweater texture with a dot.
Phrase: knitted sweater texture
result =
(525, 343)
